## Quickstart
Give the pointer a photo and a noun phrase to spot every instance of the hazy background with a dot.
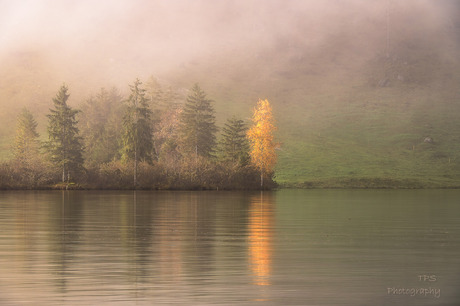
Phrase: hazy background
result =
(312, 59)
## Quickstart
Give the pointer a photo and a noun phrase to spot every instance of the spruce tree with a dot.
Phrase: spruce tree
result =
(137, 133)
(197, 124)
(26, 145)
(234, 145)
(64, 144)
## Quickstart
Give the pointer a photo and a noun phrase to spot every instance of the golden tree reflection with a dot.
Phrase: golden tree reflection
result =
(260, 227)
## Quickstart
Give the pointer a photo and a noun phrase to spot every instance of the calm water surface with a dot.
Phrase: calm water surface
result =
(288, 247)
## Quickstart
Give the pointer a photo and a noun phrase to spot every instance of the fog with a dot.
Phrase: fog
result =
(92, 44)
(148, 37)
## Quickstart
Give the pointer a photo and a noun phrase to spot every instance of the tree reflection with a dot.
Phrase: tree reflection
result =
(260, 228)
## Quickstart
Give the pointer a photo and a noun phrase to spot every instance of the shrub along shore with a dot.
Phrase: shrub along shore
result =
(205, 175)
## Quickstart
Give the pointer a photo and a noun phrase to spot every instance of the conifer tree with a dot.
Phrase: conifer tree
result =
(197, 124)
(234, 144)
(26, 146)
(64, 144)
(100, 124)
(261, 139)
(137, 133)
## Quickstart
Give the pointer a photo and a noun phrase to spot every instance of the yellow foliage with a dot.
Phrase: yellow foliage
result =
(261, 138)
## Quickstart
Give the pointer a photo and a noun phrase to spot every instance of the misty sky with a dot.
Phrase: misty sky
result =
(110, 32)
(158, 34)
(138, 38)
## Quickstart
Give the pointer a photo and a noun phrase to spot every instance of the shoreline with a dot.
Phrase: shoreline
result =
(304, 185)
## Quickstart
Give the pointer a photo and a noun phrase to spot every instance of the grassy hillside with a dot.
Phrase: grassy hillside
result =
(348, 114)
(375, 138)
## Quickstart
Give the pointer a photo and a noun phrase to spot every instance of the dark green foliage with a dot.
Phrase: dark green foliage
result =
(198, 124)
(234, 145)
(137, 130)
(64, 144)
(137, 133)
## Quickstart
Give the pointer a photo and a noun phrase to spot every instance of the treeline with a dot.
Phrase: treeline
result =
(156, 138)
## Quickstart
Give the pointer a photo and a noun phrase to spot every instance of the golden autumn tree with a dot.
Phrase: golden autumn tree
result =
(261, 139)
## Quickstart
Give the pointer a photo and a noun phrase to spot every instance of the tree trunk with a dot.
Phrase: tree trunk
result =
(135, 165)
(261, 180)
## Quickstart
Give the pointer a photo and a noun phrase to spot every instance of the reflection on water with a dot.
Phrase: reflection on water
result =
(260, 227)
(290, 247)
(121, 247)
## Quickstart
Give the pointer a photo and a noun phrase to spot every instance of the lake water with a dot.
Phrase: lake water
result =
(286, 247)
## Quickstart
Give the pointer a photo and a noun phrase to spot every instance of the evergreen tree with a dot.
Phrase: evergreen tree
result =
(197, 126)
(137, 133)
(26, 145)
(64, 143)
(100, 124)
(234, 144)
